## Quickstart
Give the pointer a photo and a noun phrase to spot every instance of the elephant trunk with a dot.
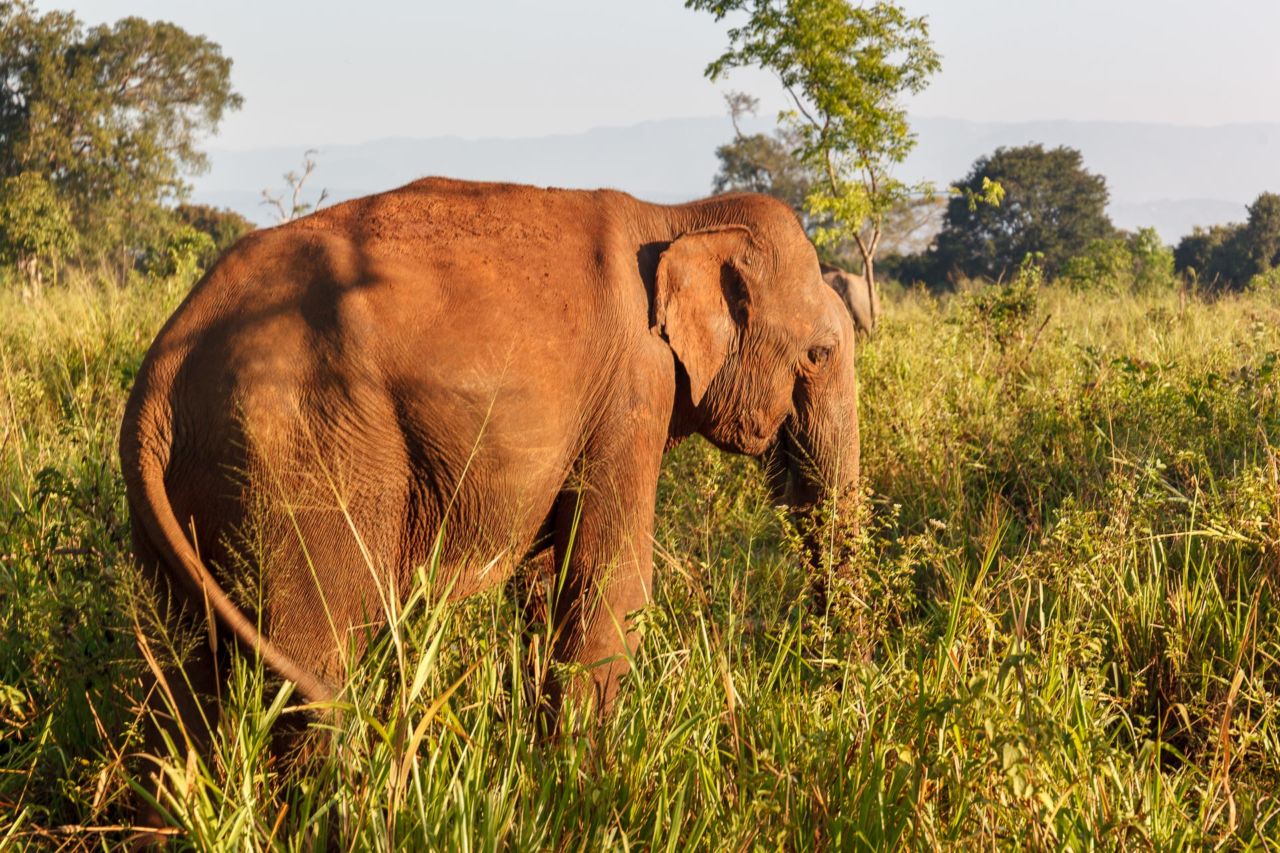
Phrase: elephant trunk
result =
(822, 440)
(816, 456)
(813, 469)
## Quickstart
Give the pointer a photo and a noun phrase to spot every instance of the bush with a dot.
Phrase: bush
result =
(35, 225)
(1129, 263)
(184, 251)
(1001, 312)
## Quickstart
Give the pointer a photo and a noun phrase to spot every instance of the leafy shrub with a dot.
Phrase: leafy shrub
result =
(1002, 311)
(1127, 263)
(183, 252)
(35, 225)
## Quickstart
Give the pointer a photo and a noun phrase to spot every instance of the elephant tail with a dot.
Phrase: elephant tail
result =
(149, 502)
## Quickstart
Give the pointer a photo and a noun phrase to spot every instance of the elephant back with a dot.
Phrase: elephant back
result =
(858, 295)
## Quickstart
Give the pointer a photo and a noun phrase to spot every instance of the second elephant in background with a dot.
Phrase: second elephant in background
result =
(859, 297)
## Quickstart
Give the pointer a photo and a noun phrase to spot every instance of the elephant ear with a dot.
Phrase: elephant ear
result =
(699, 293)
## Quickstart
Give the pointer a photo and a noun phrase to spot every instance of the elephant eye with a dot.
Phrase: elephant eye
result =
(818, 355)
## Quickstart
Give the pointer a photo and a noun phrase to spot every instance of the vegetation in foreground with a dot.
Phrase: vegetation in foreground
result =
(1061, 630)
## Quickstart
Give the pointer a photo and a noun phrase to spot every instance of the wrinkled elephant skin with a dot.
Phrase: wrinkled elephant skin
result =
(475, 364)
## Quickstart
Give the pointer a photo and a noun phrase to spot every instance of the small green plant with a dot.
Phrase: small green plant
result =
(1002, 312)
(1265, 282)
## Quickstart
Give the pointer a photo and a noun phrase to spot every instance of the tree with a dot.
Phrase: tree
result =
(222, 225)
(1051, 206)
(35, 226)
(1211, 256)
(765, 163)
(846, 67)
(296, 208)
(1229, 257)
(761, 163)
(109, 115)
(1262, 234)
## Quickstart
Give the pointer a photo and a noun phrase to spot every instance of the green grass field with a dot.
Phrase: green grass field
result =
(1062, 627)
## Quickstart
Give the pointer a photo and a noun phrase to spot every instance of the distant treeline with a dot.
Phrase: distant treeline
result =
(98, 126)
(1053, 213)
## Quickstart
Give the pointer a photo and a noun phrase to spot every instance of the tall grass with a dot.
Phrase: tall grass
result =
(1062, 627)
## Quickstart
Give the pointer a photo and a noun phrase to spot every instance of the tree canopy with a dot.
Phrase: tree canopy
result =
(846, 67)
(1229, 257)
(1052, 207)
(110, 115)
(1262, 234)
(224, 226)
(766, 163)
(762, 163)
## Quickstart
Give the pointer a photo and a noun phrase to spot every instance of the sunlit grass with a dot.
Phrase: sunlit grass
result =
(1062, 630)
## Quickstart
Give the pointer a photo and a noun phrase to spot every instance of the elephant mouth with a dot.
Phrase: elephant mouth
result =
(777, 473)
(788, 471)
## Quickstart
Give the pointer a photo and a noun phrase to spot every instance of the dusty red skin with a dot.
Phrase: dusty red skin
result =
(469, 361)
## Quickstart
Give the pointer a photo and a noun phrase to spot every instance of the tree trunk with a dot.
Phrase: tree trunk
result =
(29, 269)
(869, 273)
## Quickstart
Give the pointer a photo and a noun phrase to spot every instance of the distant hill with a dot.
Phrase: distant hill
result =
(1168, 176)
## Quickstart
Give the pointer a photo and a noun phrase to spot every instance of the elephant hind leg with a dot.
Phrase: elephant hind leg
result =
(532, 589)
(530, 586)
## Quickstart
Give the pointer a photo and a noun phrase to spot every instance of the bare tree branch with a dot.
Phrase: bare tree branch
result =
(297, 208)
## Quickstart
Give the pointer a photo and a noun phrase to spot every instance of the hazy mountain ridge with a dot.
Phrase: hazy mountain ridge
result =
(1167, 176)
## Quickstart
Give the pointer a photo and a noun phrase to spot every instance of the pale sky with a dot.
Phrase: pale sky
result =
(324, 72)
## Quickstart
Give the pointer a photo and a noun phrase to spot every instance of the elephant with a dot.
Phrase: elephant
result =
(859, 296)
(459, 373)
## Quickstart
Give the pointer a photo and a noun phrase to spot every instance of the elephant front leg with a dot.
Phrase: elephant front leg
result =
(604, 554)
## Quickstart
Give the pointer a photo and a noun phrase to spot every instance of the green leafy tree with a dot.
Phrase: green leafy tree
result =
(766, 163)
(1262, 234)
(223, 226)
(761, 163)
(111, 115)
(1213, 257)
(846, 67)
(35, 226)
(1229, 257)
(1051, 206)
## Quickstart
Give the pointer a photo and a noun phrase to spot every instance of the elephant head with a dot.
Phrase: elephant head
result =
(858, 294)
(766, 348)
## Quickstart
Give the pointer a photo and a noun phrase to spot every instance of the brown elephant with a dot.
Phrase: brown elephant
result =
(466, 369)
(859, 296)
